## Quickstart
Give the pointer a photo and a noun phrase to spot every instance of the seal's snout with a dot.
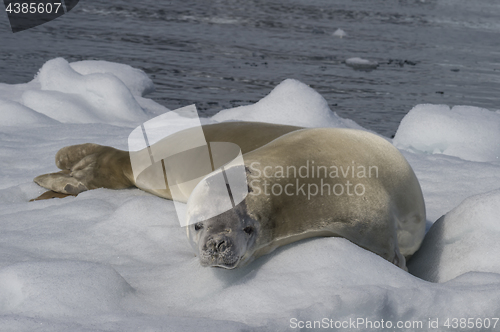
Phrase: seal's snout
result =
(219, 251)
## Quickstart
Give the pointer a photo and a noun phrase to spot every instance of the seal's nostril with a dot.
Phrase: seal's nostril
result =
(221, 246)
(211, 245)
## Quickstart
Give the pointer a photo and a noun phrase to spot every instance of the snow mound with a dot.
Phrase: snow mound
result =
(70, 97)
(134, 79)
(291, 103)
(15, 114)
(463, 240)
(61, 287)
(467, 132)
(279, 286)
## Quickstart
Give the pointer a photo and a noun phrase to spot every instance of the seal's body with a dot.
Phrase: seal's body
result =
(316, 182)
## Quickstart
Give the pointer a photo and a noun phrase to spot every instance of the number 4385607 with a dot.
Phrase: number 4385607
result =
(33, 8)
(471, 323)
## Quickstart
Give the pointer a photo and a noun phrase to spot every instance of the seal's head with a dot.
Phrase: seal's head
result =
(221, 227)
(227, 240)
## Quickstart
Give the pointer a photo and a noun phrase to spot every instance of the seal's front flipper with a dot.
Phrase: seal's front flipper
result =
(50, 194)
(61, 182)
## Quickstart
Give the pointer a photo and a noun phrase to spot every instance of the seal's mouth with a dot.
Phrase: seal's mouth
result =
(224, 260)
(227, 266)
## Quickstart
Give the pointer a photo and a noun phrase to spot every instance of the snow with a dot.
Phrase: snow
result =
(15, 114)
(134, 79)
(292, 103)
(48, 288)
(83, 92)
(467, 132)
(117, 260)
(464, 240)
(339, 33)
(94, 97)
(360, 63)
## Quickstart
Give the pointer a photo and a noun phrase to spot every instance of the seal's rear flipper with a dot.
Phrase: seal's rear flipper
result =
(50, 194)
(62, 182)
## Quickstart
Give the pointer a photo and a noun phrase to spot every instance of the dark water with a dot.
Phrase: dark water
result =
(224, 53)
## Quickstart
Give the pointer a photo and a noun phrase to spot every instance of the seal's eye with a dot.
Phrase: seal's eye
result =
(248, 230)
(198, 226)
